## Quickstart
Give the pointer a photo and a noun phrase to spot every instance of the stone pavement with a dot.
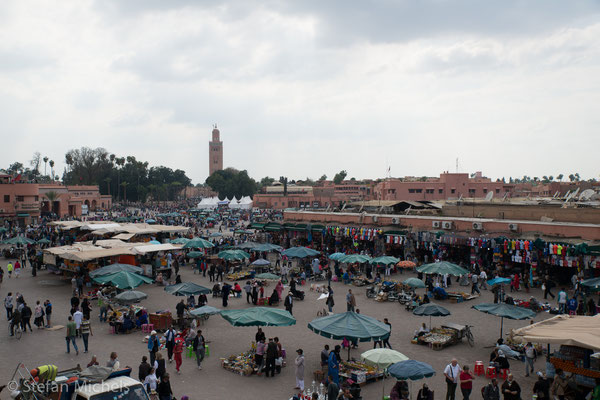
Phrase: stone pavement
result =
(213, 382)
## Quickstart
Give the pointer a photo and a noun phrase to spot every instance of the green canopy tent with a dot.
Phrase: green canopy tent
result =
(44, 241)
(130, 296)
(233, 255)
(198, 243)
(205, 310)
(246, 245)
(114, 268)
(414, 283)
(385, 260)
(442, 268)
(336, 256)
(350, 325)
(180, 241)
(504, 310)
(259, 316)
(266, 247)
(187, 289)
(268, 276)
(354, 259)
(195, 254)
(123, 280)
(300, 252)
(19, 240)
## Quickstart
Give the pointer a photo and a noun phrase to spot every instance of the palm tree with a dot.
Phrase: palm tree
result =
(52, 196)
(52, 168)
(124, 184)
(45, 165)
(560, 177)
(107, 180)
(120, 162)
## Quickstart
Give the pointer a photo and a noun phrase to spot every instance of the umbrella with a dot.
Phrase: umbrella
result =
(233, 255)
(180, 241)
(268, 276)
(19, 240)
(215, 234)
(267, 247)
(406, 264)
(198, 243)
(43, 241)
(382, 358)
(498, 281)
(354, 258)
(442, 268)
(385, 260)
(113, 268)
(195, 254)
(130, 296)
(150, 221)
(414, 283)
(259, 316)
(204, 310)
(593, 284)
(504, 310)
(336, 256)
(300, 252)
(211, 219)
(154, 242)
(411, 370)
(247, 245)
(260, 262)
(186, 289)
(431, 309)
(351, 326)
(3, 230)
(123, 280)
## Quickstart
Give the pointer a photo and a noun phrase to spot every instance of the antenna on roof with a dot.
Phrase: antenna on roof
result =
(505, 198)
(408, 210)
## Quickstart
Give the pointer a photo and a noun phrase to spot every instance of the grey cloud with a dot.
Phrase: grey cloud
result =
(24, 59)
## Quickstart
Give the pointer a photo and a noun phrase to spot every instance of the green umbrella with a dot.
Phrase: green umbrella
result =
(195, 254)
(431, 310)
(43, 241)
(385, 260)
(442, 268)
(122, 219)
(205, 310)
(266, 247)
(186, 289)
(114, 268)
(355, 258)
(350, 325)
(180, 241)
(232, 255)
(268, 276)
(123, 280)
(504, 310)
(259, 316)
(247, 245)
(130, 296)
(411, 369)
(3, 230)
(198, 243)
(19, 240)
(414, 283)
(300, 252)
(336, 256)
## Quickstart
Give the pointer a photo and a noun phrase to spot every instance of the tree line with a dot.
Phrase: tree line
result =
(124, 178)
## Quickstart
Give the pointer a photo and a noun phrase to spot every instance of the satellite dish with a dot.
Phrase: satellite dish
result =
(586, 195)
(489, 196)
(572, 195)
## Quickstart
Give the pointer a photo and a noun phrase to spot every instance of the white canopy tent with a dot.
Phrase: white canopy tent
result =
(245, 203)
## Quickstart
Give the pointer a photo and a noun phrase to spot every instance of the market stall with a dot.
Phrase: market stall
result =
(578, 339)
(360, 372)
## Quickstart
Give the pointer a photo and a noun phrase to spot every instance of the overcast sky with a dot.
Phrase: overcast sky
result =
(305, 88)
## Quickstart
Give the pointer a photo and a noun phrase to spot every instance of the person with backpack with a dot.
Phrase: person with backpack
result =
(491, 391)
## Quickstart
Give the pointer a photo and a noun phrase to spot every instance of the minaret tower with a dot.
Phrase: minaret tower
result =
(215, 156)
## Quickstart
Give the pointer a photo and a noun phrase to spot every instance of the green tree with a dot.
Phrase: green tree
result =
(560, 177)
(45, 165)
(323, 177)
(266, 181)
(52, 168)
(339, 177)
(231, 183)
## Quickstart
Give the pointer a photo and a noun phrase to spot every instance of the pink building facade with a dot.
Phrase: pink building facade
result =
(447, 186)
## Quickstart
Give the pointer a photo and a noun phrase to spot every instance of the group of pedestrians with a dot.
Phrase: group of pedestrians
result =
(18, 313)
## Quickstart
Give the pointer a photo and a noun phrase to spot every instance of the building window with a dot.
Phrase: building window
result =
(7, 198)
(452, 191)
(418, 190)
(471, 191)
(429, 190)
(484, 190)
(275, 204)
(440, 191)
(497, 191)
(20, 198)
(36, 198)
(411, 190)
